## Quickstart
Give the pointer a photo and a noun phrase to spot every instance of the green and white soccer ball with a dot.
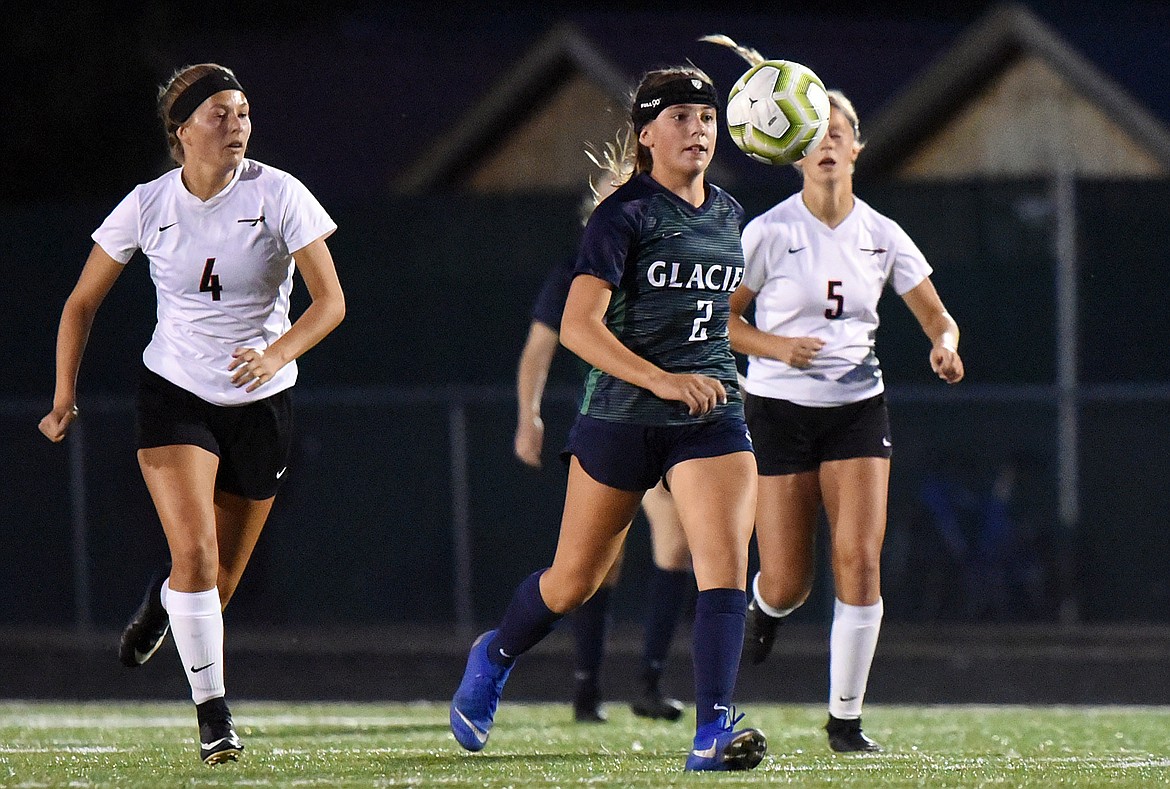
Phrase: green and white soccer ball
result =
(778, 112)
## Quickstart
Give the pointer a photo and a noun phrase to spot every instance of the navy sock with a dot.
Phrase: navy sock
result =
(718, 643)
(526, 621)
(668, 594)
(589, 623)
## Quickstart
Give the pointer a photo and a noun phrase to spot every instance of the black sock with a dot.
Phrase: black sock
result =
(590, 623)
(526, 621)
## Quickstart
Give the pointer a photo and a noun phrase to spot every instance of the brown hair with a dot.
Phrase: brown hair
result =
(643, 160)
(182, 79)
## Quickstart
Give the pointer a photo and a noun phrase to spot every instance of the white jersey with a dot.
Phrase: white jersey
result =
(815, 281)
(222, 270)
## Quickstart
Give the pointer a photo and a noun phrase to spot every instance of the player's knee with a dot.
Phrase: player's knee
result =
(786, 593)
(563, 596)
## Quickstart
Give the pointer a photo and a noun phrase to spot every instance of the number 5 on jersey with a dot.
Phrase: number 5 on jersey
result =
(210, 282)
(839, 299)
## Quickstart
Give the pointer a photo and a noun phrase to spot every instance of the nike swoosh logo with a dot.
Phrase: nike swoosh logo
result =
(280, 473)
(847, 698)
(876, 251)
(202, 668)
(706, 753)
(886, 442)
(665, 236)
(252, 222)
(207, 745)
(479, 733)
(161, 228)
(794, 250)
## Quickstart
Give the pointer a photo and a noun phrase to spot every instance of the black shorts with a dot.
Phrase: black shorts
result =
(792, 438)
(251, 441)
(635, 457)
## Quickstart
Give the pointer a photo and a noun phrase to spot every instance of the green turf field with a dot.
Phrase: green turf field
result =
(350, 745)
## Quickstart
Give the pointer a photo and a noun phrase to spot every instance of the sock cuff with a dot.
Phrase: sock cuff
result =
(721, 601)
(193, 603)
(858, 615)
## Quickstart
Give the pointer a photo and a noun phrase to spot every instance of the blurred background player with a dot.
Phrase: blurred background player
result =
(816, 267)
(222, 234)
(670, 581)
(648, 309)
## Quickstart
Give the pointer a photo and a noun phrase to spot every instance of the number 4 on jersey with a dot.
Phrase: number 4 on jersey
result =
(210, 282)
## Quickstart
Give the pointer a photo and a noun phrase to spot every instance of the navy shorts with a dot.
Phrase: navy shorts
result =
(251, 441)
(635, 457)
(792, 438)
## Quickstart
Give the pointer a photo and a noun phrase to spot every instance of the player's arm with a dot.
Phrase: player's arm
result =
(322, 316)
(923, 300)
(583, 331)
(97, 277)
(531, 376)
(746, 338)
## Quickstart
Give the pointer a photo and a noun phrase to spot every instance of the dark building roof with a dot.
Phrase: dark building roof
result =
(349, 95)
(1006, 35)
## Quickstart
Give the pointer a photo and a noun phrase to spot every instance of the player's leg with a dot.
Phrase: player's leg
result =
(855, 492)
(786, 525)
(181, 481)
(590, 625)
(716, 498)
(593, 528)
(670, 589)
(239, 522)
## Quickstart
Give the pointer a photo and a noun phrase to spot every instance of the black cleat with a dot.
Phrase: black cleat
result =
(147, 629)
(652, 704)
(587, 704)
(759, 633)
(218, 741)
(845, 736)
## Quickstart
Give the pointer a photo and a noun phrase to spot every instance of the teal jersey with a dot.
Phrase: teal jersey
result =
(673, 268)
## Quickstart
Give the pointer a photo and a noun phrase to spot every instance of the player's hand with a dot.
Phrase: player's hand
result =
(699, 393)
(529, 441)
(55, 423)
(252, 368)
(947, 363)
(798, 351)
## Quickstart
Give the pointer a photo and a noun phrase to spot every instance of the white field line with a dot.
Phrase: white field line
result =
(72, 721)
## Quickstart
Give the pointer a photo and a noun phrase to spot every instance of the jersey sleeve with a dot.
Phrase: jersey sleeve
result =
(910, 266)
(120, 235)
(303, 220)
(605, 247)
(550, 302)
(755, 270)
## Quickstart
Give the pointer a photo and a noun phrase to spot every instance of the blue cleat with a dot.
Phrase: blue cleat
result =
(474, 707)
(719, 747)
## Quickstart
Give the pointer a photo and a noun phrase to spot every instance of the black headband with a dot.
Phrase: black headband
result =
(685, 90)
(200, 91)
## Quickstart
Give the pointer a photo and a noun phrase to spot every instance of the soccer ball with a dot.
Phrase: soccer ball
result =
(778, 112)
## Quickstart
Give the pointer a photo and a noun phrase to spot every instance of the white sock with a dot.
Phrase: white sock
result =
(197, 625)
(775, 613)
(852, 643)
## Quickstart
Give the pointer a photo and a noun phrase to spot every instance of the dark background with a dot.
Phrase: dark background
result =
(439, 286)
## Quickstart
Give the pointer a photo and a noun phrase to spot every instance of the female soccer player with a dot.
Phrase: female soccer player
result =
(671, 575)
(222, 234)
(648, 309)
(816, 267)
